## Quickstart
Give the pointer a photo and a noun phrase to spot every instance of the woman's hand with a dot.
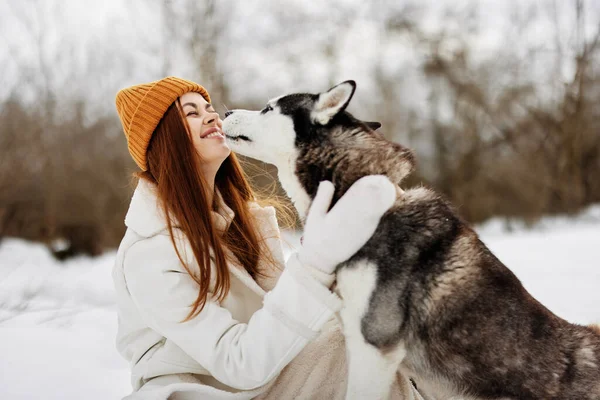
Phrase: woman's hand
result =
(331, 238)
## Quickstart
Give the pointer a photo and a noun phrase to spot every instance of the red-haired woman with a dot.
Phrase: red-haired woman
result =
(208, 309)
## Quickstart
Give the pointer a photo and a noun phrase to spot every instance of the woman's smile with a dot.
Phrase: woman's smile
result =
(213, 133)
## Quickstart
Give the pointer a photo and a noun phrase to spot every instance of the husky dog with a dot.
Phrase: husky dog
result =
(424, 296)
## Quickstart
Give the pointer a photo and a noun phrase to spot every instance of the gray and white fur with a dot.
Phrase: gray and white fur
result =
(424, 295)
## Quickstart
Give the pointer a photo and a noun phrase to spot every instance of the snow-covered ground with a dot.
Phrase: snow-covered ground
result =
(58, 320)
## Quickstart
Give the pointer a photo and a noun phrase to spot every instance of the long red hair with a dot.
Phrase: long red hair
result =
(174, 166)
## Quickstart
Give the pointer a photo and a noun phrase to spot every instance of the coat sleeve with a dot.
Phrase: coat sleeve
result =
(267, 224)
(240, 355)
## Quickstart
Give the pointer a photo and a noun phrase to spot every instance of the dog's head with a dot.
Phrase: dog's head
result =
(310, 138)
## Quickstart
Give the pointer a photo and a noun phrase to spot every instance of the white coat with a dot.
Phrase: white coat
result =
(232, 349)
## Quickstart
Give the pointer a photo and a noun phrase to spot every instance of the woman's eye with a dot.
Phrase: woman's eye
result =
(267, 109)
(192, 113)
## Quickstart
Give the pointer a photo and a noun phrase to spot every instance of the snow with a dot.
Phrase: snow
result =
(58, 320)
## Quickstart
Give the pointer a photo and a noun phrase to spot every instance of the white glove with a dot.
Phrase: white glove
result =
(331, 238)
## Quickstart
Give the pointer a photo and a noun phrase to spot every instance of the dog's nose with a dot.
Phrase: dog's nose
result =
(228, 113)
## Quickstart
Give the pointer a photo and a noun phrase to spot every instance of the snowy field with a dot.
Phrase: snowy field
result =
(58, 321)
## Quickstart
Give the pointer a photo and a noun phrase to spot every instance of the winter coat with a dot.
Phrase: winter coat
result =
(236, 348)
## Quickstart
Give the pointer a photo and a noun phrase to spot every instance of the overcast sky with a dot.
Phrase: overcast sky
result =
(110, 44)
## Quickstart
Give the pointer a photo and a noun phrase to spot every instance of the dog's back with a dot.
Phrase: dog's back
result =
(464, 318)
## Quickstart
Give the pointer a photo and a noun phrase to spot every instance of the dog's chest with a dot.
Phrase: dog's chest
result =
(291, 184)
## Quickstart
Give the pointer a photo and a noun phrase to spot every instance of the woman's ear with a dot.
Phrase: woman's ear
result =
(332, 102)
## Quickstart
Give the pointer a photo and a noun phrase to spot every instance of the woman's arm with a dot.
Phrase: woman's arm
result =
(243, 356)
(247, 356)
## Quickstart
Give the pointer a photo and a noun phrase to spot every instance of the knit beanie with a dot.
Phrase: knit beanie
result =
(141, 108)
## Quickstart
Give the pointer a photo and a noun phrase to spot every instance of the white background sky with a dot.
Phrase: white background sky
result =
(115, 43)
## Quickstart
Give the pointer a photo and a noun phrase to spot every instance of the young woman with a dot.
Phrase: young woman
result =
(208, 308)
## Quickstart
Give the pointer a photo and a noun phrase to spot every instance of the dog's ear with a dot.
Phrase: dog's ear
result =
(333, 101)
(373, 125)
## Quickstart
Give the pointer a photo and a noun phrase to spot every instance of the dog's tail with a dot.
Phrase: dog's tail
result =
(596, 328)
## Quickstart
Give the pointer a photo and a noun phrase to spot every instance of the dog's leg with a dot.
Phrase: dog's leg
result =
(371, 371)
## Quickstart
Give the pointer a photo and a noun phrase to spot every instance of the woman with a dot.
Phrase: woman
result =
(207, 306)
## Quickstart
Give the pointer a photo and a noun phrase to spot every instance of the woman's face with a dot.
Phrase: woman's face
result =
(205, 127)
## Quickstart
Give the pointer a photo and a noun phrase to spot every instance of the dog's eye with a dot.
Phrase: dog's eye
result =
(266, 109)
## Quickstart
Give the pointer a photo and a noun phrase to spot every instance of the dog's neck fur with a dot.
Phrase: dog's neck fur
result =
(286, 168)
(300, 174)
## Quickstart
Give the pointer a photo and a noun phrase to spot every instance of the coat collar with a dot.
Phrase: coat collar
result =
(146, 217)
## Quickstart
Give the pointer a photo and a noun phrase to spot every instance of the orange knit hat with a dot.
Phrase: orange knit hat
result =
(141, 108)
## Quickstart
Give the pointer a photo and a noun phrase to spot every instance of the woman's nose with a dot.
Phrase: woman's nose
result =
(228, 113)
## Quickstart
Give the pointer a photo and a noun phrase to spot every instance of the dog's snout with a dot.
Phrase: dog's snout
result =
(228, 113)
